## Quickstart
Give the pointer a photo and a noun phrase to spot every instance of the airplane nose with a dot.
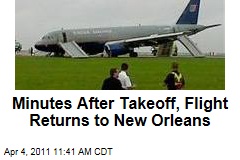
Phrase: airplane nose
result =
(39, 46)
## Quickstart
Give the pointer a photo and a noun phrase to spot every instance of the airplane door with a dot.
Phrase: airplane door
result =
(64, 37)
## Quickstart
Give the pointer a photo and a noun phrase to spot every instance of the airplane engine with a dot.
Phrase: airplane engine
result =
(115, 49)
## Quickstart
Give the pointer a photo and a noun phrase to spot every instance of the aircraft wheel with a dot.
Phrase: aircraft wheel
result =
(58, 54)
(133, 54)
(114, 55)
(154, 52)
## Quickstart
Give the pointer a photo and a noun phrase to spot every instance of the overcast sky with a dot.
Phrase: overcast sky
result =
(34, 18)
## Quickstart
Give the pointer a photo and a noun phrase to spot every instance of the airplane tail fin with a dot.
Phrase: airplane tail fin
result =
(190, 14)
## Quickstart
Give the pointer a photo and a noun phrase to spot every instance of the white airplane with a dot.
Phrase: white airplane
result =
(117, 41)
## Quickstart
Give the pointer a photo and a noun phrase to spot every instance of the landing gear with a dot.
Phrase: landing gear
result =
(58, 54)
(114, 55)
(133, 54)
(55, 54)
(111, 55)
(154, 52)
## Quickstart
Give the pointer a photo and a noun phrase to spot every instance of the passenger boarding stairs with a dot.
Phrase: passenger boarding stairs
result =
(191, 47)
(72, 49)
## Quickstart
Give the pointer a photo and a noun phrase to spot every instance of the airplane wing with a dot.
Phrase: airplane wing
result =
(152, 39)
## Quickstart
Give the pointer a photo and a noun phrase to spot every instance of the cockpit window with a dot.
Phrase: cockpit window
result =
(47, 37)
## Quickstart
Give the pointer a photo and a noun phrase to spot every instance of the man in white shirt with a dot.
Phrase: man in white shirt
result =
(124, 78)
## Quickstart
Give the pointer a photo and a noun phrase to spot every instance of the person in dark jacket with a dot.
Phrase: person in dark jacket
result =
(174, 80)
(112, 82)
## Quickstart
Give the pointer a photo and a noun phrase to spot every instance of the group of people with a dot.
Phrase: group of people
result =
(120, 80)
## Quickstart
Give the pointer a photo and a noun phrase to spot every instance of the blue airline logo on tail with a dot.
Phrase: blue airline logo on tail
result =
(190, 13)
(193, 8)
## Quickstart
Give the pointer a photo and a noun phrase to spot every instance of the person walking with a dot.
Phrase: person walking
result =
(174, 80)
(112, 82)
(124, 77)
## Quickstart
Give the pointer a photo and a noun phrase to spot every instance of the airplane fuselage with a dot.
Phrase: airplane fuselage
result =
(122, 40)
(92, 40)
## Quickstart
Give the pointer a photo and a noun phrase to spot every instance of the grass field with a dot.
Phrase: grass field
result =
(44, 73)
